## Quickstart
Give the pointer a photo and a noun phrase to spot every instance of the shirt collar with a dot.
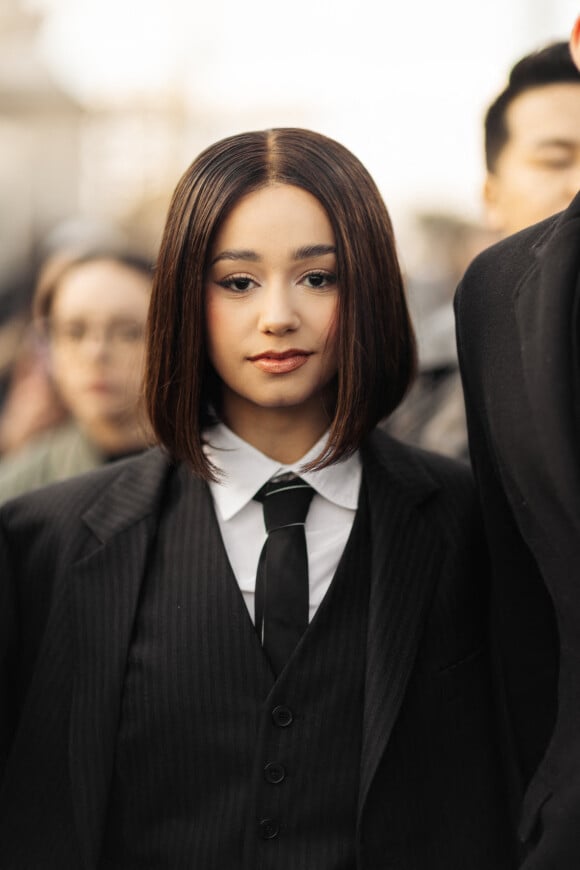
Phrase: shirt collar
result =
(244, 469)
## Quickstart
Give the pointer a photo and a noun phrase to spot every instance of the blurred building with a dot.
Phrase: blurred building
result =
(61, 161)
(40, 129)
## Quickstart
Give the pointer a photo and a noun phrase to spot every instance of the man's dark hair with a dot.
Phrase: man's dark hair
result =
(551, 65)
(375, 341)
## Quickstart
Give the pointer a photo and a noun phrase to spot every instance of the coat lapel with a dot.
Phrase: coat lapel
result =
(547, 311)
(406, 557)
(105, 585)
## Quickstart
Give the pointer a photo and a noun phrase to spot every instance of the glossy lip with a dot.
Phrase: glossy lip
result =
(280, 362)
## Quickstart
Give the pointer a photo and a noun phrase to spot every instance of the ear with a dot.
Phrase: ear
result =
(575, 42)
(492, 204)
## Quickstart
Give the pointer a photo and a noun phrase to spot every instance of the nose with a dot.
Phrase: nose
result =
(97, 344)
(278, 314)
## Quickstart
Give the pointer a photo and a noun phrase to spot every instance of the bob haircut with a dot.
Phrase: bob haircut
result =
(375, 340)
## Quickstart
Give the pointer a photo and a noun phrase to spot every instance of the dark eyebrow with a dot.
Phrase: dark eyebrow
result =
(304, 253)
(312, 251)
(236, 255)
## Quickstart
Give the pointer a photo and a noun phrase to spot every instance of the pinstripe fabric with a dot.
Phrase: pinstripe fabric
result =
(73, 560)
(315, 806)
(66, 692)
(196, 728)
(194, 669)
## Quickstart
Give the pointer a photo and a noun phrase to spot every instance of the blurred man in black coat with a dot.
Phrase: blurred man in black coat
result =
(517, 318)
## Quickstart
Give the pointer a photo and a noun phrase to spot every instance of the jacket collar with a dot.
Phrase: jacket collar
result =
(554, 225)
(133, 494)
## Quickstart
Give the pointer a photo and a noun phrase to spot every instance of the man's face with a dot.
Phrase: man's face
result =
(538, 171)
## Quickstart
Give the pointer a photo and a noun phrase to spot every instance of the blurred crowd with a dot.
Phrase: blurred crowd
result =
(72, 322)
(532, 161)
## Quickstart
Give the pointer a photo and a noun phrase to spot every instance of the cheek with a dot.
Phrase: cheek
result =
(132, 376)
(215, 325)
(63, 372)
(226, 327)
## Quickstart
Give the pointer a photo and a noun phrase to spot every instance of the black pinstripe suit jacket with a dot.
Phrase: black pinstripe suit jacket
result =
(73, 557)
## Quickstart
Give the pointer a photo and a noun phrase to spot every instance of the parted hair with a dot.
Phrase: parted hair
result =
(548, 66)
(375, 340)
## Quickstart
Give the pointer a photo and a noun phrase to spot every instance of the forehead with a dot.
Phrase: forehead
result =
(102, 288)
(547, 112)
(276, 214)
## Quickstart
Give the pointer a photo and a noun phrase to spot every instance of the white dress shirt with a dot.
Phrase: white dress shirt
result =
(241, 521)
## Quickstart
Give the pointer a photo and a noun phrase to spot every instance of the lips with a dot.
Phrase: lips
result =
(280, 362)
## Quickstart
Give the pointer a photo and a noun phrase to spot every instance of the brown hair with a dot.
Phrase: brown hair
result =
(375, 341)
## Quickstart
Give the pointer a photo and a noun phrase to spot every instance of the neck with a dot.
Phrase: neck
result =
(284, 435)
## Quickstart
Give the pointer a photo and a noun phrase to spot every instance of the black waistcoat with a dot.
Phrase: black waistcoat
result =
(217, 765)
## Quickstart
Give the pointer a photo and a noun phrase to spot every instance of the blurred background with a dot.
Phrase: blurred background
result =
(104, 103)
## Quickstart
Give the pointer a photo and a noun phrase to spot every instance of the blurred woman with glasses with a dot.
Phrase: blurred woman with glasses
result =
(91, 312)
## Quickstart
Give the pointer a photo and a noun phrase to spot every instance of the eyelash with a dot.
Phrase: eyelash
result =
(228, 283)
(329, 278)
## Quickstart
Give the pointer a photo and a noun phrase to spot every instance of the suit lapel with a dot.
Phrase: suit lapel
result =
(547, 313)
(406, 557)
(105, 586)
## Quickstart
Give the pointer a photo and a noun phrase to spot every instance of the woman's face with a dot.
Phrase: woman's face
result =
(97, 324)
(271, 308)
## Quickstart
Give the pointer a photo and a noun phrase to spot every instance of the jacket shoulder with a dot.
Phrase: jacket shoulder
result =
(439, 490)
(414, 466)
(495, 271)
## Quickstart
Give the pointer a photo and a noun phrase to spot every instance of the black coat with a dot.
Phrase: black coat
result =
(517, 314)
(72, 561)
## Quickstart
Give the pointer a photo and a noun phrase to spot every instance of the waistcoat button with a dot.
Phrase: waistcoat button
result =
(269, 829)
(274, 772)
(282, 716)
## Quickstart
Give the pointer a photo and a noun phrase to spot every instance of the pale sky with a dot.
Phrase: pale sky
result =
(403, 84)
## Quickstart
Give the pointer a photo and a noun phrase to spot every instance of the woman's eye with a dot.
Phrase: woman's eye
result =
(316, 280)
(239, 283)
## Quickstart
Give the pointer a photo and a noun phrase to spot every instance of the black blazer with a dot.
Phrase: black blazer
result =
(72, 560)
(517, 323)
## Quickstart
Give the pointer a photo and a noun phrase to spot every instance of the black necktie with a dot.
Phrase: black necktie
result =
(282, 595)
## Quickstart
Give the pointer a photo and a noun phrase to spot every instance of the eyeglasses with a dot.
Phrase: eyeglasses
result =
(117, 335)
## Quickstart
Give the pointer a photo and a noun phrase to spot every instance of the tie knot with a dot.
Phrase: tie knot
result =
(285, 502)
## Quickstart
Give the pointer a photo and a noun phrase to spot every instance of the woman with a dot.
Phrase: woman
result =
(176, 704)
(92, 311)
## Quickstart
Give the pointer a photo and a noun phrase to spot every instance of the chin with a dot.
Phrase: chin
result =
(285, 402)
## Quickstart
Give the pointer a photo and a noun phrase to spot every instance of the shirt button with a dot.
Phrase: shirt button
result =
(282, 716)
(274, 772)
(269, 829)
